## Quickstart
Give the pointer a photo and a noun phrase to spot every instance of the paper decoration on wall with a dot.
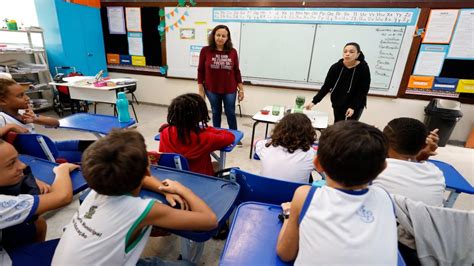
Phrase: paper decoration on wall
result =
(187, 33)
(138, 60)
(116, 20)
(135, 43)
(182, 3)
(163, 70)
(175, 13)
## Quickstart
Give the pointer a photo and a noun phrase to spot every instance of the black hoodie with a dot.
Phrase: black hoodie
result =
(348, 86)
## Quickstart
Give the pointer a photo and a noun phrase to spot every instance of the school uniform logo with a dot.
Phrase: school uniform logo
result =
(365, 215)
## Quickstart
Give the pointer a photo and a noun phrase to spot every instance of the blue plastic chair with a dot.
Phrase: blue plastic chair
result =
(34, 254)
(43, 147)
(263, 189)
(173, 160)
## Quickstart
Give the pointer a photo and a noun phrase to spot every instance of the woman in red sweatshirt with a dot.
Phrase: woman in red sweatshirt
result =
(219, 76)
(187, 133)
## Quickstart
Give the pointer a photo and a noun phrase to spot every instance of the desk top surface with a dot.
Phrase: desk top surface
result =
(218, 194)
(238, 135)
(253, 237)
(86, 82)
(318, 119)
(43, 170)
(93, 123)
(454, 180)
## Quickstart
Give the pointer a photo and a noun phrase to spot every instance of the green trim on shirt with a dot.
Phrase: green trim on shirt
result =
(134, 226)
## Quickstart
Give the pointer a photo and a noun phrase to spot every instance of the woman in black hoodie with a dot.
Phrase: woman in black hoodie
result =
(348, 80)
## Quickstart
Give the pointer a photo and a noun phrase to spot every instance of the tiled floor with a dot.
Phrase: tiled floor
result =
(151, 117)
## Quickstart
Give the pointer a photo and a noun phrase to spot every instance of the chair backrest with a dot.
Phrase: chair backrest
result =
(263, 189)
(172, 160)
(36, 145)
(131, 88)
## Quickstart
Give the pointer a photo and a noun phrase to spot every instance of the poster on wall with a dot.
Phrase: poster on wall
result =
(430, 60)
(133, 19)
(135, 43)
(462, 44)
(116, 20)
(440, 26)
(195, 51)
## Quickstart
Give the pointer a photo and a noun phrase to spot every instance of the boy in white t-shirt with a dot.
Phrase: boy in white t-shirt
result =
(405, 174)
(113, 224)
(288, 155)
(17, 210)
(347, 221)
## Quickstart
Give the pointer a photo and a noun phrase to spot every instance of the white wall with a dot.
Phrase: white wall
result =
(23, 11)
(160, 90)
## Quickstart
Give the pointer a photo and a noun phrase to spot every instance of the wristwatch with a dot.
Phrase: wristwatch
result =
(284, 215)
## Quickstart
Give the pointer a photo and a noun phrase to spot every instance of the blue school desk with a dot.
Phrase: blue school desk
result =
(96, 124)
(238, 135)
(455, 182)
(218, 194)
(43, 170)
(253, 236)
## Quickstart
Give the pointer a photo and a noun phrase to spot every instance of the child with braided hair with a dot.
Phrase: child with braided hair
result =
(188, 134)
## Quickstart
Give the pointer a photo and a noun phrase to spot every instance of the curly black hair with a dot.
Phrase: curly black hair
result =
(188, 113)
(293, 132)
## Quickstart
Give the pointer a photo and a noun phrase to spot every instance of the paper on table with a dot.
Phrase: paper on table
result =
(430, 60)
(462, 43)
(135, 43)
(116, 20)
(133, 19)
(440, 25)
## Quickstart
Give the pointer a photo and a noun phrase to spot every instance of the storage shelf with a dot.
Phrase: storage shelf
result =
(27, 73)
(22, 52)
(43, 107)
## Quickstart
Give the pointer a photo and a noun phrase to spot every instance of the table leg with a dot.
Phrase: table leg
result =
(222, 160)
(253, 136)
(453, 195)
(134, 113)
(266, 131)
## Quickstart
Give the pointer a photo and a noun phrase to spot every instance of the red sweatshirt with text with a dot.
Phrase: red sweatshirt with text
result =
(219, 70)
(198, 151)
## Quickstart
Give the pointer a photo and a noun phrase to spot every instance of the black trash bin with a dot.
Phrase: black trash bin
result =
(442, 114)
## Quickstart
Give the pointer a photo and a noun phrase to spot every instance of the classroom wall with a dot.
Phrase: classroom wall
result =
(160, 90)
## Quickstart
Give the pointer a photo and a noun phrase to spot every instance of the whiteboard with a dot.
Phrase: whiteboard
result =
(266, 51)
(380, 45)
(180, 48)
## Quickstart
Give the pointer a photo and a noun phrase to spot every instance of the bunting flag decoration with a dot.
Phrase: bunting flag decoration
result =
(175, 24)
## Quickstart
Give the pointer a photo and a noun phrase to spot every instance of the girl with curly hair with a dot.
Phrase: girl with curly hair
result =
(288, 154)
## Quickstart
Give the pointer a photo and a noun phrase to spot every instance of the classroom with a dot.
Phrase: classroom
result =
(199, 132)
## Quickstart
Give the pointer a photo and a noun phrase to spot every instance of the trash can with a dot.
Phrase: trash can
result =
(442, 114)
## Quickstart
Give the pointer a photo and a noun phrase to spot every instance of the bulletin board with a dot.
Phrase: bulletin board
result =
(118, 44)
(445, 60)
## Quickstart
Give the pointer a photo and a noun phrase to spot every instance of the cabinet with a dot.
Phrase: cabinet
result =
(22, 55)
(73, 35)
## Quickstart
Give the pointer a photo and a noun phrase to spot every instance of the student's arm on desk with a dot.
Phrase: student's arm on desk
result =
(219, 138)
(61, 190)
(199, 217)
(153, 184)
(11, 127)
(288, 239)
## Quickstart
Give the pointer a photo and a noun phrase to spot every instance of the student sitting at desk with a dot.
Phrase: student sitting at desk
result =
(409, 140)
(409, 143)
(13, 99)
(113, 224)
(22, 201)
(347, 221)
(187, 133)
(288, 154)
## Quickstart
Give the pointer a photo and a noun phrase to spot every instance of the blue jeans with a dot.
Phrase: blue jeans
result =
(216, 100)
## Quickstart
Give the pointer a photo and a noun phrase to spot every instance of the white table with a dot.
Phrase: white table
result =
(82, 88)
(319, 121)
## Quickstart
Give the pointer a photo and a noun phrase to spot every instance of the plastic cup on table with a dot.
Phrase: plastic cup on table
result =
(276, 110)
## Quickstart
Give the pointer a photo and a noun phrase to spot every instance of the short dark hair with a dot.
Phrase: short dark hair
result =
(293, 132)
(212, 41)
(116, 164)
(406, 135)
(4, 84)
(352, 153)
(188, 113)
